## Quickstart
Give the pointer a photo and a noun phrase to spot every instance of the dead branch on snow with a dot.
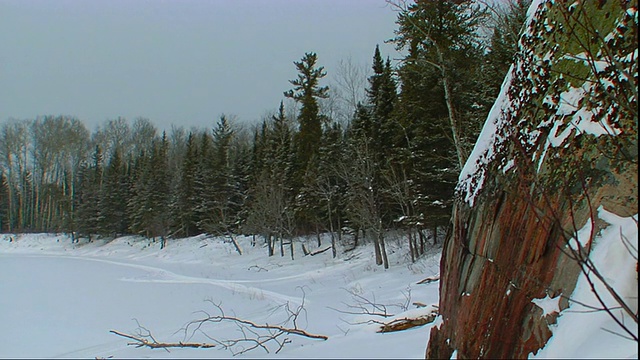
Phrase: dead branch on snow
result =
(140, 341)
(254, 335)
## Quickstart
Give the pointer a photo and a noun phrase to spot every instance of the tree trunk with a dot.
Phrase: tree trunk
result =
(339, 230)
(376, 246)
(412, 250)
(333, 237)
(355, 238)
(281, 246)
(291, 248)
(318, 236)
(270, 244)
(453, 121)
(383, 250)
(435, 234)
(10, 209)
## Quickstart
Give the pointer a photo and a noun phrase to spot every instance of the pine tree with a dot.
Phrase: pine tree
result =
(307, 91)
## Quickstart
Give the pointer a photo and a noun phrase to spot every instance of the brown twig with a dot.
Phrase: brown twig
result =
(141, 342)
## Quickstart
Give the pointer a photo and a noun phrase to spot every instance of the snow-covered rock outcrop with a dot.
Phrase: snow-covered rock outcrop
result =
(558, 149)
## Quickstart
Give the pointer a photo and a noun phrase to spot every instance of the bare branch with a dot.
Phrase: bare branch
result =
(255, 335)
(140, 341)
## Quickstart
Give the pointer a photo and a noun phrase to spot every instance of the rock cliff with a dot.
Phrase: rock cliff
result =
(559, 143)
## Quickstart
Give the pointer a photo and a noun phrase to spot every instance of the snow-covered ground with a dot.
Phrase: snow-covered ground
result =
(60, 299)
(582, 330)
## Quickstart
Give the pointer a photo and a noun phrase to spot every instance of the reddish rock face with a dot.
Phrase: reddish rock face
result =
(499, 258)
(538, 182)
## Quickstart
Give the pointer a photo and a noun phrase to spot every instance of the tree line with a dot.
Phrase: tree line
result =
(391, 166)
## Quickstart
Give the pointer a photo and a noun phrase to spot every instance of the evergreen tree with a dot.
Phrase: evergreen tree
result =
(242, 175)
(441, 35)
(115, 220)
(149, 201)
(507, 22)
(185, 199)
(328, 187)
(89, 215)
(222, 213)
(158, 223)
(372, 143)
(204, 182)
(307, 91)
(272, 194)
(4, 202)
(139, 192)
(375, 120)
(428, 159)
(376, 80)
(439, 107)
(361, 125)
(280, 151)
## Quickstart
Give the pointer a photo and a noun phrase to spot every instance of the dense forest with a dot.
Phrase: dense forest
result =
(392, 164)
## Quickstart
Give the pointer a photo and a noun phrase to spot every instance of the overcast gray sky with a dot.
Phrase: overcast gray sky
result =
(181, 61)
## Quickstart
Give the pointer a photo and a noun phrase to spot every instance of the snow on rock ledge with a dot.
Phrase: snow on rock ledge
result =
(559, 144)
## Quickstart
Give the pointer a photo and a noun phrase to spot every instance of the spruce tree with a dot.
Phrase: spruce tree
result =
(328, 187)
(150, 190)
(185, 197)
(4, 202)
(223, 211)
(375, 80)
(507, 23)
(242, 175)
(203, 182)
(443, 35)
(139, 193)
(115, 193)
(159, 181)
(89, 215)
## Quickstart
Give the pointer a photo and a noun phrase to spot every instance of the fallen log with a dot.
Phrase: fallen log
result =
(312, 253)
(413, 318)
(407, 323)
(319, 251)
(429, 279)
